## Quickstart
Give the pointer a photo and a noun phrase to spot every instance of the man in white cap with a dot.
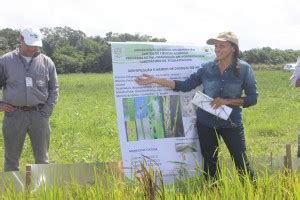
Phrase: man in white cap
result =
(30, 85)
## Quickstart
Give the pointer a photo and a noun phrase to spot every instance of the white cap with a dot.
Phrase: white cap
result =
(32, 37)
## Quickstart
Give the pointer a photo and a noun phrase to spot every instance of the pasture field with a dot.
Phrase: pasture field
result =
(84, 123)
(84, 129)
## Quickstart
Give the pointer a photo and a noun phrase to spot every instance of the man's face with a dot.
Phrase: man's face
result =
(27, 50)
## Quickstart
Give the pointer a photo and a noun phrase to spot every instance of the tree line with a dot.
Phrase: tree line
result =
(73, 51)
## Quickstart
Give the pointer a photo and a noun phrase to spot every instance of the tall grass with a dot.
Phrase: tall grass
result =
(229, 186)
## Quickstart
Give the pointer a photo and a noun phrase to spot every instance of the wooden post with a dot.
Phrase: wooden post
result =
(285, 162)
(298, 153)
(121, 173)
(289, 157)
(271, 160)
(28, 176)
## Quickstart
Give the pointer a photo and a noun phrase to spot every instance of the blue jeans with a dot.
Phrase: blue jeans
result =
(235, 141)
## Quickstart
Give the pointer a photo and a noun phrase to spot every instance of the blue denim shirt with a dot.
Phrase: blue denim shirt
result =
(226, 85)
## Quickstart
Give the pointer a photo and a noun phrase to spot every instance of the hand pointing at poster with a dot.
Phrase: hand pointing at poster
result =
(148, 79)
(145, 79)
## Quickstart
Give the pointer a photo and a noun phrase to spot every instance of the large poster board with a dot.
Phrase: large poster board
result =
(155, 123)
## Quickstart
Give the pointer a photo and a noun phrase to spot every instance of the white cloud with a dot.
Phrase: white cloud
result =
(258, 23)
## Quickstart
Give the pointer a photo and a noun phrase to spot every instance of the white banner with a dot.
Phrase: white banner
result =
(156, 124)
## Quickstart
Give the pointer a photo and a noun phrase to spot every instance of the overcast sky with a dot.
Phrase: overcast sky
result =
(258, 23)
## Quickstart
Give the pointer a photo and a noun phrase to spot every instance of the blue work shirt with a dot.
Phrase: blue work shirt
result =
(227, 86)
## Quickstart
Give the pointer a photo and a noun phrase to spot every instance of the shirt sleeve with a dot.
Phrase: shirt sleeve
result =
(190, 83)
(250, 89)
(296, 74)
(52, 90)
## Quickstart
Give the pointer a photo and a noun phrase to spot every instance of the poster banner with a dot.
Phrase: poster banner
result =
(157, 125)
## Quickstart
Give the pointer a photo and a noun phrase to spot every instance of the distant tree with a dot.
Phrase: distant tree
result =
(72, 51)
(60, 36)
(92, 49)
(68, 59)
(9, 39)
(124, 37)
(3, 45)
(267, 55)
(158, 40)
(104, 61)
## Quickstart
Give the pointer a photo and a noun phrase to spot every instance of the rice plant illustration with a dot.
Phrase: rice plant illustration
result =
(141, 109)
(172, 115)
(167, 114)
(141, 112)
(176, 114)
(155, 117)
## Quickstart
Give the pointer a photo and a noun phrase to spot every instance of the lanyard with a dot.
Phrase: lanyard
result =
(27, 66)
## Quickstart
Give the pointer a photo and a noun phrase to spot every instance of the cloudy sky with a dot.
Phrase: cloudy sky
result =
(258, 23)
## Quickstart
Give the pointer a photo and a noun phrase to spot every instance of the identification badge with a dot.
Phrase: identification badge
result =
(29, 82)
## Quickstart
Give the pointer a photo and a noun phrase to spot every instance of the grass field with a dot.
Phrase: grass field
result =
(84, 126)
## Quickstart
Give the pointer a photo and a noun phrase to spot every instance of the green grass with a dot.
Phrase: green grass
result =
(84, 129)
(84, 124)
(274, 121)
(229, 186)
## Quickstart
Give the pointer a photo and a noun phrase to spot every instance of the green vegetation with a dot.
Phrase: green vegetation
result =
(84, 124)
(273, 122)
(84, 129)
(268, 56)
(229, 186)
(73, 51)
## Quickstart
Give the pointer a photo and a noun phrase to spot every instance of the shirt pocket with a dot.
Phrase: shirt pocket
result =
(233, 89)
(211, 87)
(41, 81)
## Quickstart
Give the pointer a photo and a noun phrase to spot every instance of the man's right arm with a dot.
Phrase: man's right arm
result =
(295, 78)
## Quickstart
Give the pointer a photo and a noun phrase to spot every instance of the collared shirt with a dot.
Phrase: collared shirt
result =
(226, 85)
(296, 74)
(43, 88)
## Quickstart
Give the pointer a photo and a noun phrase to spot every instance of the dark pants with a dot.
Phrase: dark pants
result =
(235, 141)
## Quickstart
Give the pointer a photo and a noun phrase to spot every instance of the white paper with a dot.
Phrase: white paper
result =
(203, 101)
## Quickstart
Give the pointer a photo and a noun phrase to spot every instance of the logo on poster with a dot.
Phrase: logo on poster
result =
(118, 52)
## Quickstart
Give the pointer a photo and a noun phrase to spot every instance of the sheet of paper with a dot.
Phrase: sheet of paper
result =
(203, 101)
